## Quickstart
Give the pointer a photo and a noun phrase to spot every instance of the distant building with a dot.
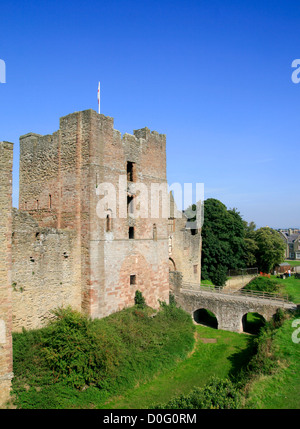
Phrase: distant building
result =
(291, 239)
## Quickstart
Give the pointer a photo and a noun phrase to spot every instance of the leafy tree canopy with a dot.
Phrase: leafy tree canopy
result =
(222, 240)
(270, 248)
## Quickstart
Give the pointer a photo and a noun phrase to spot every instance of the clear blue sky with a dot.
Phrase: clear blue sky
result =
(214, 76)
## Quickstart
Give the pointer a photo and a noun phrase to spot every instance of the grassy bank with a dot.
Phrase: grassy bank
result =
(289, 286)
(139, 358)
(270, 380)
(280, 389)
(78, 363)
(216, 353)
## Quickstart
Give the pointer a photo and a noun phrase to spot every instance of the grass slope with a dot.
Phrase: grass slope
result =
(280, 390)
(216, 353)
(76, 362)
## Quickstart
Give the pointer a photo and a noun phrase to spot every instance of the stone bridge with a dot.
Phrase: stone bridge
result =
(229, 308)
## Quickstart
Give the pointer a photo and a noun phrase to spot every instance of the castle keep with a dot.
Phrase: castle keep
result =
(68, 244)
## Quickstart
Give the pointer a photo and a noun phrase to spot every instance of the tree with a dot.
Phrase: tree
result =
(222, 240)
(218, 275)
(251, 247)
(270, 249)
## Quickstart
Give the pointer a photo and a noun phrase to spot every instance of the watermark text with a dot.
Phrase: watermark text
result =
(2, 71)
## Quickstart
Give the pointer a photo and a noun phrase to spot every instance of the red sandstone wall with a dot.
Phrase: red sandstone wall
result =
(69, 166)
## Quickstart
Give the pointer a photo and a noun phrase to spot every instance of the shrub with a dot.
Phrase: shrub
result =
(265, 361)
(216, 394)
(172, 300)
(139, 300)
(110, 354)
(78, 353)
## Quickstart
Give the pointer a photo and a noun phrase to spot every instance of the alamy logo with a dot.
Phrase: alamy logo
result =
(2, 72)
(296, 73)
(295, 334)
(138, 200)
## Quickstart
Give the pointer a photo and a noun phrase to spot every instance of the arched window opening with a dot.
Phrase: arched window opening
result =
(130, 204)
(172, 266)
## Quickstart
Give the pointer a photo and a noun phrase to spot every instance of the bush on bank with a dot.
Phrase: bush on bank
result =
(110, 354)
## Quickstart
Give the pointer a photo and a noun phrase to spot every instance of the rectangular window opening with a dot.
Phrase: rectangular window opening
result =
(131, 232)
(133, 279)
(108, 223)
(131, 171)
(154, 232)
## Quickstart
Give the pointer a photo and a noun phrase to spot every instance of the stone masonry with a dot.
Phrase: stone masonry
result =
(64, 252)
(184, 246)
(6, 159)
(229, 309)
(85, 235)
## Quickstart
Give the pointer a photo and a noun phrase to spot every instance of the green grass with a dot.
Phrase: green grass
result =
(292, 263)
(290, 286)
(157, 359)
(206, 283)
(77, 362)
(216, 353)
(282, 389)
(254, 322)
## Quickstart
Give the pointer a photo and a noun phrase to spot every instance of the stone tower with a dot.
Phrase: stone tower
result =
(6, 160)
(62, 182)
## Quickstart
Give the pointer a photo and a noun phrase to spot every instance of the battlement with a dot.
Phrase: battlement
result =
(30, 135)
(54, 166)
(7, 145)
(145, 133)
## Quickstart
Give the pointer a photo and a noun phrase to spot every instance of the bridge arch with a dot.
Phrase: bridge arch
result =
(252, 322)
(206, 317)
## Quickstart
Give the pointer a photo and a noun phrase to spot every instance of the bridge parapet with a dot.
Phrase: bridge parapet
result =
(229, 308)
(243, 292)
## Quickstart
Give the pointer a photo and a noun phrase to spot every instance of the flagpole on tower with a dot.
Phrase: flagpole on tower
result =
(99, 97)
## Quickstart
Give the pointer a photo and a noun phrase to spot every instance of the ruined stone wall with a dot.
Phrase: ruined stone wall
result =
(44, 272)
(185, 250)
(39, 188)
(6, 159)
